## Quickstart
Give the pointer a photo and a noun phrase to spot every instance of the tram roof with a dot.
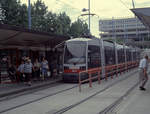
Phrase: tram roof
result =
(13, 36)
(95, 42)
(79, 39)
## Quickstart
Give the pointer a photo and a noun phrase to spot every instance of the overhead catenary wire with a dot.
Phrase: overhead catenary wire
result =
(124, 4)
(62, 2)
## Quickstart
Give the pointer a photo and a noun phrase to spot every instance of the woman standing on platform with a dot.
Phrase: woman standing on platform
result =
(21, 71)
(37, 66)
(44, 67)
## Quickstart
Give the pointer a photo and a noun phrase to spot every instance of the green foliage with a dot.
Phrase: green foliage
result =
(12, 12)
(51, 22)
(63, 24)
(23, 16)
(38, 13)
(78, 28)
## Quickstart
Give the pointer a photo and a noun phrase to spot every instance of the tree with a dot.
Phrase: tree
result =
(23, 16)
(2, 15)
(51, 21)
(78, 28)
(38, 12)
(13, 13)
(63, 24)
(58, 23)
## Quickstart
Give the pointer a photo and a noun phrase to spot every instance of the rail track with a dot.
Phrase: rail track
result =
(65, 109)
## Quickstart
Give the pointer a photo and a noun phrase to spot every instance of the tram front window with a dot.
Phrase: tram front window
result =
(75, 53)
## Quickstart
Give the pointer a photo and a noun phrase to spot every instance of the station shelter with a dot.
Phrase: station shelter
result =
(17, 42)
(143, 14)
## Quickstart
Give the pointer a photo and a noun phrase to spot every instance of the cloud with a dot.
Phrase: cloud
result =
(141, 1)
(143, 4)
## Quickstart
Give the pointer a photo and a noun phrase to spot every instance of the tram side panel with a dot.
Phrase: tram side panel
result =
(81, 55)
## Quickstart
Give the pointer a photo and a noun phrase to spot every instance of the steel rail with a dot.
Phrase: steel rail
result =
(65, 109)
(52, 94)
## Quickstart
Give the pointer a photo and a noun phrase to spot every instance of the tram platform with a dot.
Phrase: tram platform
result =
(122, 98)
(108, 101)
(7, 89)
(138, 102)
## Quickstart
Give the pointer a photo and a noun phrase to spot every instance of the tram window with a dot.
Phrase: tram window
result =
(67, 55)
(121, 56)
(74, 55)
(127, 54)
(109, 56)
(94, 57)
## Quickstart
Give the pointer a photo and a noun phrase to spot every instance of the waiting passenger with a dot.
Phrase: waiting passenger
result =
(21, 71)
(44, 67)
(28, 71)
(12, 72)
(37, 66)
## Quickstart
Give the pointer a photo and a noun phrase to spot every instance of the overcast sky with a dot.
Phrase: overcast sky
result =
(102, 8)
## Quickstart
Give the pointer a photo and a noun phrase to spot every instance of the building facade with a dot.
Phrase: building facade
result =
(126, 28)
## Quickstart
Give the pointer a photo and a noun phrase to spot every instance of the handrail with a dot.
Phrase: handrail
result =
(109, 70)
(94, 70)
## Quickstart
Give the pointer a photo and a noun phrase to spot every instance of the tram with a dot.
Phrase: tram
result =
(84, 54)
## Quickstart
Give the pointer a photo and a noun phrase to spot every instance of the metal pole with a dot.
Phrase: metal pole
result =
(87, 56)
(89, 17)
(132, 54)
(114, 27)
(116, 51)
(29, 14)
(133, 4)
(102, 57)
(125, 54)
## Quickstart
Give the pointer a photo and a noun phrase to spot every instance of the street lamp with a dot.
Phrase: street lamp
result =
(133, 4)
(88, 14)
(29, 14)
(91, 14)
(84, 10)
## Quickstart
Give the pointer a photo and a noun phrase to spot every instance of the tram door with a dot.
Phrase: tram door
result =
(94, 60)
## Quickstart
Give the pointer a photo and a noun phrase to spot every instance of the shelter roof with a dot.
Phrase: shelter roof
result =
(143, 14)
(13, 36)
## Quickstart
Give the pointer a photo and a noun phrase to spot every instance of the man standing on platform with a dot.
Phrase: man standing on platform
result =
(28, 71)
(143, 67)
